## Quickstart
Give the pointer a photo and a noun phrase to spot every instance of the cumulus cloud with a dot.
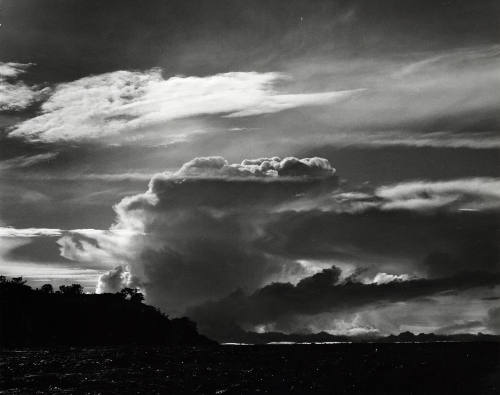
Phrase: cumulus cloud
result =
(210, 227)
(12, 69)
(118, 102)
(16, 95)
(198, 226)
(217, 166)
(384, 278)
(115, 280)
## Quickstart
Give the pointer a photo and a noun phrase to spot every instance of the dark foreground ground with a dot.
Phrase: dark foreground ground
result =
(437, 368)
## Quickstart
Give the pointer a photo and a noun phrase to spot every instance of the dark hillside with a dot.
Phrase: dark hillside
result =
(42, 317)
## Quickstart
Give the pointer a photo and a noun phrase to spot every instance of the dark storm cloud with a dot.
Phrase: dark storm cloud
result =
(199, 225)
(323, 293)
(463, 327)
(268, 219)
(493, 320)
(426, 243)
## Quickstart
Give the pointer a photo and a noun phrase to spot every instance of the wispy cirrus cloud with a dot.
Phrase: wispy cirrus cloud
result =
(443, 139)
(443, 99)
(119, 102)
(29, 232)
(9, 231)
(26, 160)
(464, 194)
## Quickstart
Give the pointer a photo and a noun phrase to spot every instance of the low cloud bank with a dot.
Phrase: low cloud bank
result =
(322, 293)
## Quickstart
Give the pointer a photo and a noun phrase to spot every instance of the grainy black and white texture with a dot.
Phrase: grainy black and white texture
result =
(294, 166)
(453, 368)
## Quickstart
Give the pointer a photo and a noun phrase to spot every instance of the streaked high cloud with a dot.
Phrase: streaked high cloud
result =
(8, 231)
(26, 160)
(452, 90)
(116, 103)
(468, 194)
(29, 232)
(414, 103)
(444, 98)
(476, 140)
(472, 194)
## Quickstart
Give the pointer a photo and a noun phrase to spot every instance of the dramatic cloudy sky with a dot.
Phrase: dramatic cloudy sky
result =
(289, 165)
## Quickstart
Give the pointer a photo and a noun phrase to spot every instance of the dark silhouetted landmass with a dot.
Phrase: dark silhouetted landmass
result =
(324, 337)
(41, 317)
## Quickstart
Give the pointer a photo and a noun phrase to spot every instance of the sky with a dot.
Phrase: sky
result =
(295, 166)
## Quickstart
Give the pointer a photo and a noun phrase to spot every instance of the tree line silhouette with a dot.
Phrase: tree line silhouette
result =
(68, 316)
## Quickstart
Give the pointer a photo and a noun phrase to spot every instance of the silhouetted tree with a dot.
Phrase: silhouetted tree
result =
(15, 286)
(42, 317)
(137, 298)
(132, 294)
(18, 280)
(71, 290)
(47, 289)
